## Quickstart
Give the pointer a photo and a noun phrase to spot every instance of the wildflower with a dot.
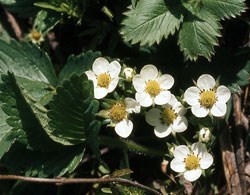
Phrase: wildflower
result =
(36, 37)
(204, 134)
(118, 116)
(191, 161)
(152, 87)
(105, 76)
(169, 118)
(207, 98)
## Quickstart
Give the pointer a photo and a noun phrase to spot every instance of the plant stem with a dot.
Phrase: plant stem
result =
(62, 181)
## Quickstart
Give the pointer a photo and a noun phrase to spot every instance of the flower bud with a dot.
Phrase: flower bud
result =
(204, 134)
(128, 73)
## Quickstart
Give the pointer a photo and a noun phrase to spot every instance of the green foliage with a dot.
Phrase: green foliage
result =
(242, 79)
(150, 21)
(126, 190)
(77, 65)
(73, 110)
(225, 8)
(46, 20)
(43, 164)
(26, 61)
(198, 23)
(71, 8)
(21, 118)
(25, 127)
(7, 2)
(198, 35)
(31, 66)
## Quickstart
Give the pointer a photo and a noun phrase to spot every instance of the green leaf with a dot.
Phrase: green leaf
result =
(55, 7)
(8, 135)
(78, 65)
(32, 67)
(151, 20)
(43, 164)
(22, 117)
(10, 124)
(7, 2)
(198, 35)
(242, 79)
(93, 140)
(73, 110)
(46, 20)
(224, 8)
(26, 61)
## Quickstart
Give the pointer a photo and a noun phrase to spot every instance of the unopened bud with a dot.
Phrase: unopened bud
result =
(128, 73)
(204, 134)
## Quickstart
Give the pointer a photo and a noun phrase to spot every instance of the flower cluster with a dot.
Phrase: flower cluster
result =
(163, 110)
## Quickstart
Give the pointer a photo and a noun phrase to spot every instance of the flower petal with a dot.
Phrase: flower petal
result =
(100, 65)
(166, 81)
(180, 124)
(219, 109)
(149, 72)
(199, 149)
(162, 98)
(144, 99)
(199, 111)
(100, 92)
(181, 152)
(153, 117)
(206, 161)
(223, 94)
(192, 95)
(177, 165)
(132, 105)
(192, 175)
(206, 82)
(91, 76)
(124, 128)
(139, 83)
(114, 69)
(162, 130)
(113, 84)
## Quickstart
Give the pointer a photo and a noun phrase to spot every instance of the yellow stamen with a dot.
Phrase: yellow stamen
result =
(36, 35)
(118, 112)
(192, 162)
(208, 98)
(153, 88)
(168, 116)
(103, 80)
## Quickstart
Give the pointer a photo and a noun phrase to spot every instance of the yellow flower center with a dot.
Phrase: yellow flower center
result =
(153, 88)
(192, 162)
(208, 98)
(118, 112)
(36, 35)
(103, 80)
(168, 116)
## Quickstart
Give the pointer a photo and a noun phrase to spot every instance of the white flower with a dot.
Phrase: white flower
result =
(118, 116)
(105, 76)
(152, 87)
(207, 98)
(204, 134)
(36, 37)
(168, 119)
(191, 161)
